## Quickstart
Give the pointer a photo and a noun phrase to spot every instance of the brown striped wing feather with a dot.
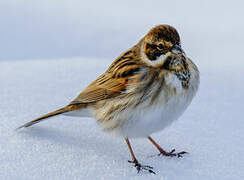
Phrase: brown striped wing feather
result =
(113, 82)
(96, 91)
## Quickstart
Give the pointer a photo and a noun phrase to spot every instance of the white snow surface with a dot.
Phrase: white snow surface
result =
(211, 129)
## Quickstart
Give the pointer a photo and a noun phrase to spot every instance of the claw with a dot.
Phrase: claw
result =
(171, 153)
(173, 150)
(140, 167)
(180, 154)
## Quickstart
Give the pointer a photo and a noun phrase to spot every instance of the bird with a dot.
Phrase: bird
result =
(143, 91)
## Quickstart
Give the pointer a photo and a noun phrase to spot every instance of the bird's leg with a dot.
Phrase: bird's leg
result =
(163, 152)
(135, 162)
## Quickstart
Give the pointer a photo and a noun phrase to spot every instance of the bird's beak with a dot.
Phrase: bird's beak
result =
(177, 50)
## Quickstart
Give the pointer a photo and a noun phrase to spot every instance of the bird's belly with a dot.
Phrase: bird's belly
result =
(150, 118)
(152, 115)
(146, 121)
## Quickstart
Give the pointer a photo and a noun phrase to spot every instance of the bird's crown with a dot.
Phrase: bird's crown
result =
(160, 40)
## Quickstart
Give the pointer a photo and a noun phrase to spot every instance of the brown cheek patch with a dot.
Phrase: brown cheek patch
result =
(151, 51)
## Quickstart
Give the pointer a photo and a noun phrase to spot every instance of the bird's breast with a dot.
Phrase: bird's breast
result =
(154, 107)
(150, 117)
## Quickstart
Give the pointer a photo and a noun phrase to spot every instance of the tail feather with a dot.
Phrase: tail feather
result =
(54, 113)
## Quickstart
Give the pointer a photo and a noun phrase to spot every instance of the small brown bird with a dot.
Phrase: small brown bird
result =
(143, 91)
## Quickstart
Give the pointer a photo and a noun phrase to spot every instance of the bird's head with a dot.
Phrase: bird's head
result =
(159, 42)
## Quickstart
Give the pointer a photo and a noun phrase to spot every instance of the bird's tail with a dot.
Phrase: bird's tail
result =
(51, 114)
(54, 113)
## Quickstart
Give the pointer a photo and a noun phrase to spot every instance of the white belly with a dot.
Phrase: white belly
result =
(158, 116)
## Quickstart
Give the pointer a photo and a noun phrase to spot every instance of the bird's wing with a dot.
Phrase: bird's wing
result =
(100, 89)
(113, 82)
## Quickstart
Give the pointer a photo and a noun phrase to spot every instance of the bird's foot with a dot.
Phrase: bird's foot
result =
(172, 153)
(140, 167)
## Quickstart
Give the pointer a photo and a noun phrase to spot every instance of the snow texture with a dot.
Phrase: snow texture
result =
(211, 129)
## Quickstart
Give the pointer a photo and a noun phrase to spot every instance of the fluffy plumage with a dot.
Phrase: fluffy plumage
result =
(143, 91)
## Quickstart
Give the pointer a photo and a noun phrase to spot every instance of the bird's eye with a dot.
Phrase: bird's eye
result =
(160, 46)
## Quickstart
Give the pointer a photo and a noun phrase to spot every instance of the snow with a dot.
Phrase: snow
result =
(38, 74)
(211, 129)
